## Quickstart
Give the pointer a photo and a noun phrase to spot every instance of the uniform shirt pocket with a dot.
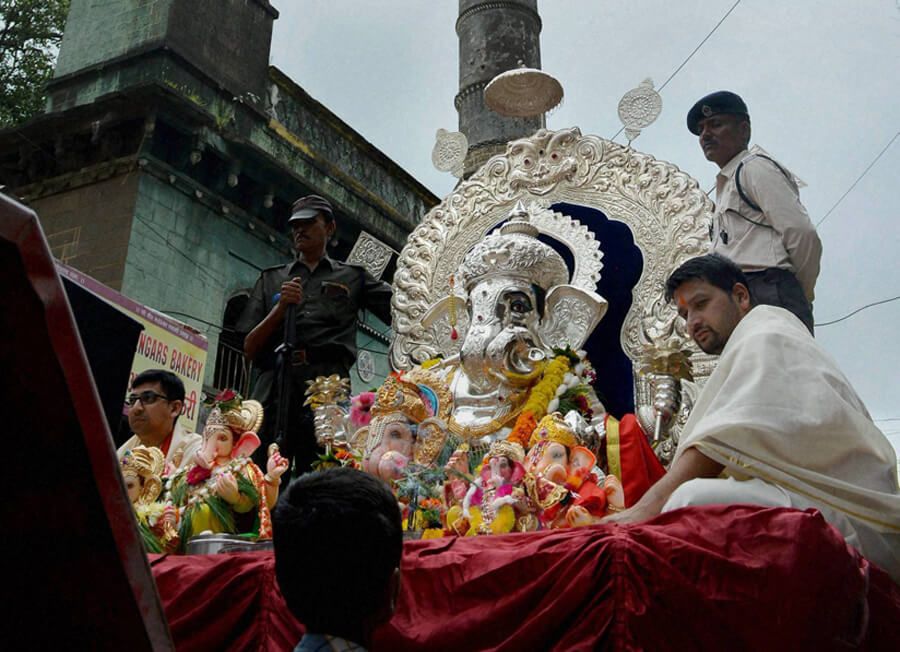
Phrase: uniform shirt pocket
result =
(334, 289)
(733, 218)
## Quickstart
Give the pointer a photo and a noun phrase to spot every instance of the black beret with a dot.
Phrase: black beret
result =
(718, 102)
(308, 207)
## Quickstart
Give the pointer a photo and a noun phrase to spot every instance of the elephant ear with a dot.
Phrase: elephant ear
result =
(570, 316)
(359, 438)
(430, 441)
(245, 446)
(374, 435)
(582, 458)
(438, 320)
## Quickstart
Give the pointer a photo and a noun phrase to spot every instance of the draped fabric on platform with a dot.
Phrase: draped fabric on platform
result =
(713, 578)
(630, 457)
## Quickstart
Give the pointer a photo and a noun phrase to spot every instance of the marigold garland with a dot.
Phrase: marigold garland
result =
(521, 432)
(541, 395)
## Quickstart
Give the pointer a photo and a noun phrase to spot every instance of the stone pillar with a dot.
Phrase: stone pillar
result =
(494, 36)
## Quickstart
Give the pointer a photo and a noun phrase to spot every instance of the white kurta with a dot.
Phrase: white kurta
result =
(777, 408)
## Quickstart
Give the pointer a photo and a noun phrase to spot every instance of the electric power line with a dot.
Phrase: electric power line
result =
(847, 316)
(689, 57)
(859, 178)
(189, 316)
(216, 281)
(678, 69)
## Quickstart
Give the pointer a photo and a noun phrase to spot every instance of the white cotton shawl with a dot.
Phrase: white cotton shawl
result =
(778, 408)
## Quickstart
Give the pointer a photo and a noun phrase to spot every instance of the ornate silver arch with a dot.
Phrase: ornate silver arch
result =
(665, 209)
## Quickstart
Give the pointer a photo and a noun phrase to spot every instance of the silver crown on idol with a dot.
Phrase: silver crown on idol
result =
(514, 251)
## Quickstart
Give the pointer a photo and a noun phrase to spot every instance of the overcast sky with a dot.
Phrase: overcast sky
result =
(820, 78)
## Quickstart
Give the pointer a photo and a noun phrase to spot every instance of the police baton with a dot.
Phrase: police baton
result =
(283, 355)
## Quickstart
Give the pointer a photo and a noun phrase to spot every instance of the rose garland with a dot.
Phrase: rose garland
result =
(226, 400)
(540, 398)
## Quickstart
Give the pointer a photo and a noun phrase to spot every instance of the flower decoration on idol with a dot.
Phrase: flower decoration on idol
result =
(226, 400)
(539, 400)
(564, 385)
(361, 409)
(417, 489)
(335, 458)
(576, 398)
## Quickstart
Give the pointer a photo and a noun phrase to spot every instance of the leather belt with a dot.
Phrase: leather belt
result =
(302, 357)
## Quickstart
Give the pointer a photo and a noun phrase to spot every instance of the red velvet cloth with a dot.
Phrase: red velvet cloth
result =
(640, 466)
(225, 602)
(711, 578)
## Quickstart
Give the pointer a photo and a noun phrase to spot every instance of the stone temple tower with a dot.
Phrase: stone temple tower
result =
(494, 36)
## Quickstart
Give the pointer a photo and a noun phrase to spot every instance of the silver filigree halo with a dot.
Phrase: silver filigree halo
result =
(639, 108)
(665, 209)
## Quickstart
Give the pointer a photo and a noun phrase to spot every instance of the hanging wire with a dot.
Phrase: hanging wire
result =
(853, 185)
(858, 310)
(211, 278)
(689, 57)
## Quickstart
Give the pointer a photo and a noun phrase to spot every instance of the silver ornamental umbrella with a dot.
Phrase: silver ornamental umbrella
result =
(523, 93)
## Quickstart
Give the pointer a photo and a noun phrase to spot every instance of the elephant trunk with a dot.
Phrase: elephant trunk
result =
(490, 359)
(514, 351)
(472, 357)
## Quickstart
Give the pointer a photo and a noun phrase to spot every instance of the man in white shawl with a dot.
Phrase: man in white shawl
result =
(777, 423)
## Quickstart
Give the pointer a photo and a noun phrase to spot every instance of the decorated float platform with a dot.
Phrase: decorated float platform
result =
(711, 578)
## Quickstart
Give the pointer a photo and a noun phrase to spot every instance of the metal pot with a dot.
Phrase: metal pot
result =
(212, 544)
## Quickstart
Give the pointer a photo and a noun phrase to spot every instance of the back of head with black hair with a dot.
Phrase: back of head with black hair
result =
(338, 540)
(715, 269)
(171, 384)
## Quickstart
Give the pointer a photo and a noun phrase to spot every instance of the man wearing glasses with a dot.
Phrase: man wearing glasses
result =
(154, 406)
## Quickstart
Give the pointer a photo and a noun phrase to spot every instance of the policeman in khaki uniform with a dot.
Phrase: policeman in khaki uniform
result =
(759, 222)
(328, 295)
